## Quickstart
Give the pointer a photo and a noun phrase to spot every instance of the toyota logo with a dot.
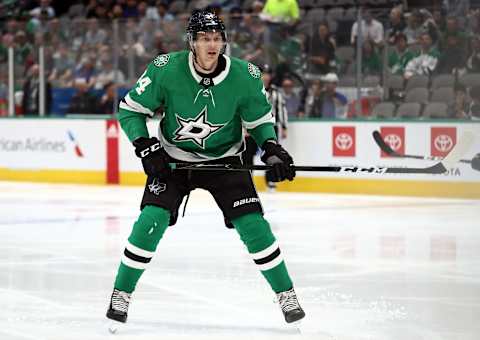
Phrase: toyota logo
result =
(394, 141)
(343, 141)
(443, 143)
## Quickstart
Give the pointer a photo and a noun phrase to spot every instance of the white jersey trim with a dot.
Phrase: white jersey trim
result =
(218, 79)
(132, 105)
(175, 152)
(267, 118)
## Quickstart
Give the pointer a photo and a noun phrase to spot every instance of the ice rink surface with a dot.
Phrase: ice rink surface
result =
(365, 267)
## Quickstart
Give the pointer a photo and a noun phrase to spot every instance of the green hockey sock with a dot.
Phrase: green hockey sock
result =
(142, 243)
(256, 234)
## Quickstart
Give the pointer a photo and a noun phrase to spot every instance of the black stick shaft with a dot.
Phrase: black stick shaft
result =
(435, 169)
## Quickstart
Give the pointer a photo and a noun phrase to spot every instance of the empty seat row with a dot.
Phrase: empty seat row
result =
(397, 82)
(410, 110)
(422, 95)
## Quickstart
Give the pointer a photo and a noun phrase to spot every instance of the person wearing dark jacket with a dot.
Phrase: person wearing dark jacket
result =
(31, 93)
(83, 101)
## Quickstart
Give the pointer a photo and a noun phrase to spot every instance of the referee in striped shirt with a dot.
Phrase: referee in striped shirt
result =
(280, 113)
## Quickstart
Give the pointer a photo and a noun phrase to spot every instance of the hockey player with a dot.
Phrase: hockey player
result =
(208, 98)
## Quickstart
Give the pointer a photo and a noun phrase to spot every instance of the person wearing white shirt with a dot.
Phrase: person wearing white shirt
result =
(371, 30)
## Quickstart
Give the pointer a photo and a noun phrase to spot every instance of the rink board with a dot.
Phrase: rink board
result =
(94, 151)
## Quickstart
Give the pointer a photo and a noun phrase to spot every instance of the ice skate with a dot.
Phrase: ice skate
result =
(118, 309)
(290, 307)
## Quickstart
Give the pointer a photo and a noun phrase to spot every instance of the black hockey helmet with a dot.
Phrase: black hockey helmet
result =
(204, 21)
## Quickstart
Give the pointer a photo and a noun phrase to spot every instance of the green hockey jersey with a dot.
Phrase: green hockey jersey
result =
(201, 121)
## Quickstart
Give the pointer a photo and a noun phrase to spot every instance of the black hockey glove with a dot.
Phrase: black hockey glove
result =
(279, 159)
(476, 162)
(154, 158)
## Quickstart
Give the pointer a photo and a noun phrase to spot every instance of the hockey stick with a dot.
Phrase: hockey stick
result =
(439, 168)
(389, 151)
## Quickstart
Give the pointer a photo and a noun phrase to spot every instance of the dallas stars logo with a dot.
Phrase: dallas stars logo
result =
(196, 129)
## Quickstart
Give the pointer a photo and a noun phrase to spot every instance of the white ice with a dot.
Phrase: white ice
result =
(364, 267)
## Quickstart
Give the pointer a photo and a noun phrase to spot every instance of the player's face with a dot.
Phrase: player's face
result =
(208, 46)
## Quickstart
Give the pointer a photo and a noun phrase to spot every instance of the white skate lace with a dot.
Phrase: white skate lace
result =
(288, 300)
(120, 300)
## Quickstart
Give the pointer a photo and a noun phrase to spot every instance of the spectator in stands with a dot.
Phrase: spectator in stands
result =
(458, 8)
(77, 33)
(86, 72)
(108, 75)
(158, 43)
(22, 47)
(428, 24)
(371, 30)
(160, 12)
(130, 9)
(320, 50)
(289, 51)
(474, 109)
(101, 12)
(397, 24)
(252, 42)
(281, 11)
(116, 12)
(95, 36)
(55, 33)
(400, 56)
(256, 8)
(8, 40)
(278, 16)
(44, 7)
(63, 66)
(235, 22)
(292, 100)
(414, 29)
(90, 8)
(371, 63)
(83, 101)
(460, 107)
(452, 29)
(4, 44)
(439, 20)
(453, 58)
(326, 102)
(31, 93)
(473, 61)
(107, 101)
(426, 61)
(37, 23)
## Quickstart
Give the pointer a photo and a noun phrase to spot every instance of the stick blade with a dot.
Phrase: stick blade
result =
(459, 150)
(382, 145)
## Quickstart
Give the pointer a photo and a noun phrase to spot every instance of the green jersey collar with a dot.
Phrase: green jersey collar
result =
(218, 79)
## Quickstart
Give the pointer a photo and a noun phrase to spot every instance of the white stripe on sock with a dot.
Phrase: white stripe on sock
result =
(265, 252)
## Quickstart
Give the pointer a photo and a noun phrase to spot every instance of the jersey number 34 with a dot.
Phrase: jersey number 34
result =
(143, 82)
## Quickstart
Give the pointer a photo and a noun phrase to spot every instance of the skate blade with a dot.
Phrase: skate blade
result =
(114, 327)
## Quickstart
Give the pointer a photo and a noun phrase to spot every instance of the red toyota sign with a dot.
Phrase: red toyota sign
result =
(442, 141)
(343, 141)
(395, 138)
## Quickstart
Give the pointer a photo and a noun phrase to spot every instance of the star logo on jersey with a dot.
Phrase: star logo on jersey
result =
(196, 129)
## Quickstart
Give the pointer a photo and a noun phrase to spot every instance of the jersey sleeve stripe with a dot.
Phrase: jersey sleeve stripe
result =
(131, 105)
(267, 118)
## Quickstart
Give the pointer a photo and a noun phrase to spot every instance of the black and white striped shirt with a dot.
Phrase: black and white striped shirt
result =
(279, 110)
